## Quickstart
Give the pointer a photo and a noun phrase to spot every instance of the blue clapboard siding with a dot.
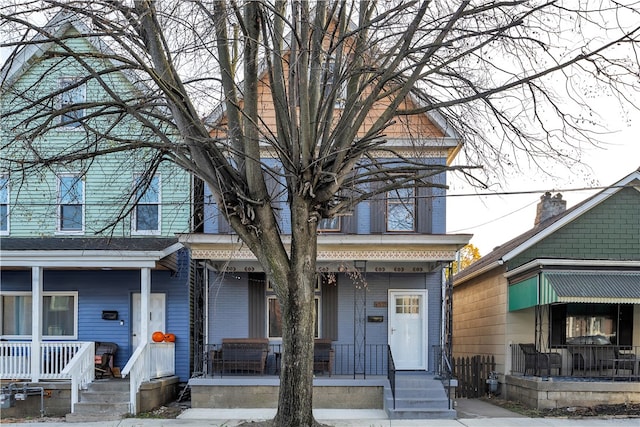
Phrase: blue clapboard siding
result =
(112, 290)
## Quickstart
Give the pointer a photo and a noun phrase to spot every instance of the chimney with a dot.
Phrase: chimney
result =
(549, 206)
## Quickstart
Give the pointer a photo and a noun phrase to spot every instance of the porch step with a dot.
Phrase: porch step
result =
(104, 400)
(418, 396)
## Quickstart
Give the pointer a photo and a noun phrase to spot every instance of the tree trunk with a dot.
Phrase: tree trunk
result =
(296, 377)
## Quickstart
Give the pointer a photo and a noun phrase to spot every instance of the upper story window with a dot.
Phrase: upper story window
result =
(70, 203)
(4, 205)
(329, 224)
(74, 94)
(333, 79)
(401, 209)
(146, 214)
(59, 314)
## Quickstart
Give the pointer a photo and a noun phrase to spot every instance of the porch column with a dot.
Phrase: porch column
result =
(36, 322)
(145, 313)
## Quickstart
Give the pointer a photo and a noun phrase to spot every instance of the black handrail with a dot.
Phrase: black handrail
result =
(391, 374)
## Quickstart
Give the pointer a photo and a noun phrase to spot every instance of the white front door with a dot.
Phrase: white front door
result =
(156, 316)
(408, 328)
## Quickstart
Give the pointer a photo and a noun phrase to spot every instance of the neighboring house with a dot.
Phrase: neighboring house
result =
(571, 287)
(380, 279)
(72, 272)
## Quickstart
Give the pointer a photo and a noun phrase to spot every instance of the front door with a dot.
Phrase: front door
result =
(408, 328)
(156, 316)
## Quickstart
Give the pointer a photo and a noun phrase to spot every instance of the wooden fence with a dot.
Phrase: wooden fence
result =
(472, 373)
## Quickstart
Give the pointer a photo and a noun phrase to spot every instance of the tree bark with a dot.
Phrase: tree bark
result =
(296, 378)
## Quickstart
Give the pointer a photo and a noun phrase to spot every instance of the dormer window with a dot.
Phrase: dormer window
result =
(74, 95)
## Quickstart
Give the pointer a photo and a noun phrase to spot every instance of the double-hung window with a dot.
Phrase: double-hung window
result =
(401, 209)
(329, 224)
(59, 314)
(146, 214)
(73, 95)
(274, 313)
(333, 82)
(70, 203)
(4, 205)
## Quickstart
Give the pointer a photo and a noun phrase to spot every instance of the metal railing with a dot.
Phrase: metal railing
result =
(391, 375)
(344, 361)
(605, 362)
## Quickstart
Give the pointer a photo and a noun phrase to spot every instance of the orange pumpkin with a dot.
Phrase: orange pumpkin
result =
(157, 336)
(169, 337)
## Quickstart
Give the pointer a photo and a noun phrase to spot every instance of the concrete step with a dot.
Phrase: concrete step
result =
(418, 396)
(87, 396)
(109, 385)
(91, 418)
(103, 400)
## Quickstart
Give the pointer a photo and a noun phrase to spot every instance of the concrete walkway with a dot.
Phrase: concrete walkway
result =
(471, 413)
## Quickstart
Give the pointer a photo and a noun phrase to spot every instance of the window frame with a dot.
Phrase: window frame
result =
(337, 229)
(318, 323)
(66, 121)
(5, 191)
(72, 294)
(59, 204)
(402, 202)
(141, 202)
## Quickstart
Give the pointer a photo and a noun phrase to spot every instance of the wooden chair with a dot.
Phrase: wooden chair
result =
(105, 354)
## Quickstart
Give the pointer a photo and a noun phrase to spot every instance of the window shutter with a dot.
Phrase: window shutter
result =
(424, 214)
(329, 309)
(257, 305)
(378, 214)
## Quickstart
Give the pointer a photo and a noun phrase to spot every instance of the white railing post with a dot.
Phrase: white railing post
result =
(36, 322)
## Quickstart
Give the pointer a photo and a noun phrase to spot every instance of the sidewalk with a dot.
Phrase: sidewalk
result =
(471, 413)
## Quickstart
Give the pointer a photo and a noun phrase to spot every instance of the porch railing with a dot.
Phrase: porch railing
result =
(346, 360)
(81, 370)
(391, 375)
(149, 361)
(604, 361)
(15, 359)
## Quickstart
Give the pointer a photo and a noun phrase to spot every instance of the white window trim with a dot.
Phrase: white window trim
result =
(8, 230)
(59, 204)
(414, 202)
(134, 230)
(73, 294)
(68, 126)
(273, 297)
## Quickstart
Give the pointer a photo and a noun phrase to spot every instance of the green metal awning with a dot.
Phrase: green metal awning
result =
(608, 287)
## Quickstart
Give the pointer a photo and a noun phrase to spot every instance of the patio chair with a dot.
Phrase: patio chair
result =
(537, 361)
(323, 356)
(105, 354)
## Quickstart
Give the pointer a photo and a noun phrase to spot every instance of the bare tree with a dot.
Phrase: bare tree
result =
(486, 68)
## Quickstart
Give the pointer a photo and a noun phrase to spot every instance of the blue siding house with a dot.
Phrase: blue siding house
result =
(84, 260)
(380, 283)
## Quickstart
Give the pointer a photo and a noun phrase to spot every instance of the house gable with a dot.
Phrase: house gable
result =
(609, 231)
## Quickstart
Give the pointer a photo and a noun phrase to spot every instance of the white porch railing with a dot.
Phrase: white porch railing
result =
(15, 359)
(81, 369)
(151, 360)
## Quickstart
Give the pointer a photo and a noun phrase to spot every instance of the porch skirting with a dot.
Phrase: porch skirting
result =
(255, 392)
(542, 394)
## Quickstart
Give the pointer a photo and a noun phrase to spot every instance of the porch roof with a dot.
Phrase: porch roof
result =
(380, 247)
(608, 287)
(592, 287)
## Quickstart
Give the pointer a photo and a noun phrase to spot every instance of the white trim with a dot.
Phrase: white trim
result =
(86, 259)
(72, 126)
(539, 263)
(588, 205)
(59, 176)
(158, 231)
(8, 203)
(73, 294)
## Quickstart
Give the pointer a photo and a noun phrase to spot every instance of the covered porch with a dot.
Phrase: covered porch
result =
(48, 347)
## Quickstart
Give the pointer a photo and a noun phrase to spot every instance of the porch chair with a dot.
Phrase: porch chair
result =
(323, 356)
(537, 361)
(105, 354)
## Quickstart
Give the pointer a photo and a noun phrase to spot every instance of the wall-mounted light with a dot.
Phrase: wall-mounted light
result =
(121, 322)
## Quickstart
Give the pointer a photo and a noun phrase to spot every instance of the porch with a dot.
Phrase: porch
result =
(68, 368)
